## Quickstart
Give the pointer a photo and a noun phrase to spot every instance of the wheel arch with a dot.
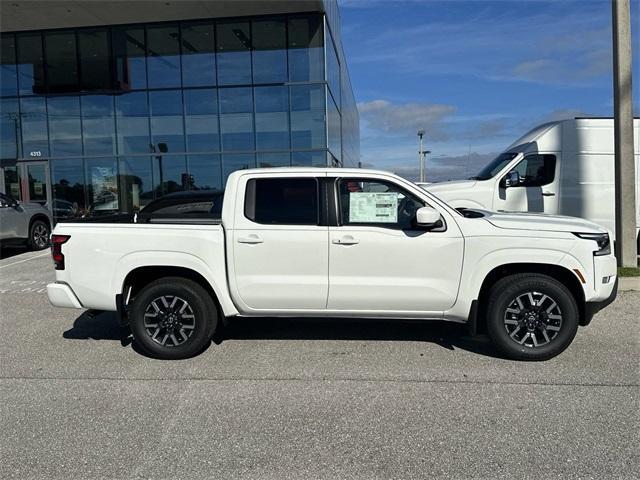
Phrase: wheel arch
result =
(557, 272)
(39, 216)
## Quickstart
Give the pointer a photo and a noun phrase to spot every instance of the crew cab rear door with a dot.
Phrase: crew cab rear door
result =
(278, 249)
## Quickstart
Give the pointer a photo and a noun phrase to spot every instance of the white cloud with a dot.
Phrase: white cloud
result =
(407, 118)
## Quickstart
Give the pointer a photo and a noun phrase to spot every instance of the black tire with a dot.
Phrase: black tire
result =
(525, 301)
(39, 233)
(197, 321)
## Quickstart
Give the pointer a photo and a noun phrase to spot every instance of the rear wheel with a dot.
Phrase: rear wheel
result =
(39, 235)
(531, 316)
(173, 318)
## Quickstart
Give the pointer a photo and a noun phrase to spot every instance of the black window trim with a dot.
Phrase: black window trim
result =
(249, 191)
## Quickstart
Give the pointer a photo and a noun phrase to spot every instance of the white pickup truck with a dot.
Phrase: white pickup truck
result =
(322, 242)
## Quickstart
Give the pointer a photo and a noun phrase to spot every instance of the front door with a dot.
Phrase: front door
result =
(538, 187)
(279, 249)
(35, 182)
(380, 261)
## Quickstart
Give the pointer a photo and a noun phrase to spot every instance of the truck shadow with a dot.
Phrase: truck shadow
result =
(450, 336)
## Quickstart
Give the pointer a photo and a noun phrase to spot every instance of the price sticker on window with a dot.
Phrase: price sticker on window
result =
(371, 207)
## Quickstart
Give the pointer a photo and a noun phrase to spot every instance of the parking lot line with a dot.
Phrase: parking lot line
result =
(25, 260)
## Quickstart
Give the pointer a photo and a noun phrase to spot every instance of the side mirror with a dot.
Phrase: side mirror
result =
(511, 180)
(428, 217)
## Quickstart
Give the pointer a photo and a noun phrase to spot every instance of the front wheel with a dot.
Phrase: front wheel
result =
(39, 235)
(531, 317)
(173, 318)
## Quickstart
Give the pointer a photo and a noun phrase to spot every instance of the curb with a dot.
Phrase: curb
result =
(626, 284)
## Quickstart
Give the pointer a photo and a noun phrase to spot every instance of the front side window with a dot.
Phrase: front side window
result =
(536, 170)
(377, 203)
(282, 201)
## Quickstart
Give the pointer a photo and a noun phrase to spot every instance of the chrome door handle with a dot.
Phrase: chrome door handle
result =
(346, 240)
(548, 194)
(252, 238)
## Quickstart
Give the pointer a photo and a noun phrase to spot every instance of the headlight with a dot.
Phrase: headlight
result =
(602, 239)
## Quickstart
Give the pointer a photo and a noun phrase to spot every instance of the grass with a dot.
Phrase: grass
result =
(629, 271)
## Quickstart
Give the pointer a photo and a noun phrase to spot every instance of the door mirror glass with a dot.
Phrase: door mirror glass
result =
(428, 217)
(511, 180)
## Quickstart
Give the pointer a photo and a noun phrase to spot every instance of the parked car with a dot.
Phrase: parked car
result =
(24, 223)
(564, 168)
(340, 243)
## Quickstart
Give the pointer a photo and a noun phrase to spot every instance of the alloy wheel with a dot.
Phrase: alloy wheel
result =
(533, 319)
(169, 320)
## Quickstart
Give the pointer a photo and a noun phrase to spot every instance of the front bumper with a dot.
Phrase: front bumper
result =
(591, 308)
(61, 295)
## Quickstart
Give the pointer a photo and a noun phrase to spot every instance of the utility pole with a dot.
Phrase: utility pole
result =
(421, 155)
(625, 176)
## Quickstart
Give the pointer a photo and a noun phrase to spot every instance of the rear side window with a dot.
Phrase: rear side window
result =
(536, 170)
(282, 201)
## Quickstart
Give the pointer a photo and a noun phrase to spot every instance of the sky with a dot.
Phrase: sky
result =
(476, 75)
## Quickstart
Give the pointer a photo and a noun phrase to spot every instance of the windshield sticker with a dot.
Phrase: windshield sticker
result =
(370, 207)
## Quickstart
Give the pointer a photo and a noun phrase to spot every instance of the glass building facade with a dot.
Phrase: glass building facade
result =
(104, 119)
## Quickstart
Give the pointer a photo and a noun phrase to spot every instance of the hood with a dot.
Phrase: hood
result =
(451, 186)
(541, 221)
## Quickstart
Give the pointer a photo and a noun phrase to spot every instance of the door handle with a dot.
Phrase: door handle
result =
(548, 194)
(251, 239)
(346, 240)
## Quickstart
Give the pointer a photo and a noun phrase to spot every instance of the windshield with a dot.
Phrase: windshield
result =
(490, 170)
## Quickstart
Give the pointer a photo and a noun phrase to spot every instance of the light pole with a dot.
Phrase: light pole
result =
(421, 155)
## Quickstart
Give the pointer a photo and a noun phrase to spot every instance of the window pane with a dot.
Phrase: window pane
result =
(166, 121)
(536, 170)
(169, 174)
(9, 73)
(136, 182)
(33, 116)
(8, 121)
(307, 117)
(163, 57)
(269, 51)
(98, 126)
(30, 63)
(306, 58)
(67, 176)
(236, 161)
(129, 51)
(284, 201)
(205, 172)
(62, 62)
(201, 121)
(64, 126)
(236, 119)
(132, 117)
(272, 118)
(198, 55)
(335, 135)
(95, 65)
(333, 71)
(364, 202)
(234, 53)
(309, 159)
(276, 159)
(102, 186)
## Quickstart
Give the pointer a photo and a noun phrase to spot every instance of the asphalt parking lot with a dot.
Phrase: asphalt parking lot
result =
(275, 399)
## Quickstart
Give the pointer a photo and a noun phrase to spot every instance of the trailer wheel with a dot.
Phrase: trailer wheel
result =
(531, 316)
(173, 318)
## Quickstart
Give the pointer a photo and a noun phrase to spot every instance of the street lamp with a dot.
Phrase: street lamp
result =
(421, 155)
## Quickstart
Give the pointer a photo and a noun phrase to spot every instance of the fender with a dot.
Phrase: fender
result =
(475, 272)
(139, 259)
(465, 203)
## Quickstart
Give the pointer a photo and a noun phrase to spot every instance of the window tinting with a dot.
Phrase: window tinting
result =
(95, 61)
(61, 58)
(98, 125)
(167, 133)
(30, 63)
(198, 55)
(236, 118)
(383, 204)
(536, 170)
(67, 177)
(308, 117)
(163, 57)
(65, 132)
(33, 116)
(270, 51)
(282, 201)
(272, 118)
(205, 172)
(129, 50)
(306, 57)
(234, 53)
(8, 125)
(132, 117)
(8, 72)
(201, 120)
